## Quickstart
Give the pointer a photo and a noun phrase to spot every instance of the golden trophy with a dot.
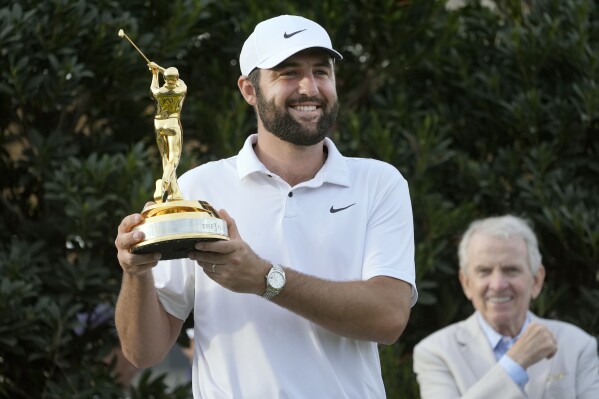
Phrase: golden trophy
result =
(172, 225)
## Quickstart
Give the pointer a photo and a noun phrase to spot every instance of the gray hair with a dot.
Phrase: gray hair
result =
(502, 226)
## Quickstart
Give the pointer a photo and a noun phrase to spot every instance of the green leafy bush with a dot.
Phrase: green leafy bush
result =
(484, 110)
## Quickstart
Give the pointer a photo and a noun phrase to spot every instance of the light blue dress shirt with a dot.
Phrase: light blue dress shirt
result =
(501, 345)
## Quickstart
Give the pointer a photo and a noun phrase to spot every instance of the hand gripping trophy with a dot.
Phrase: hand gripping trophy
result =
(172, 225)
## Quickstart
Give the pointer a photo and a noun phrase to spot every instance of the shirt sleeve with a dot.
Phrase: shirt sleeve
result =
(516, 372)
(389, 245)
(175, 284)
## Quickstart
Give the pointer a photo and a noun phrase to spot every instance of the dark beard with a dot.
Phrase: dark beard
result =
(281, 123)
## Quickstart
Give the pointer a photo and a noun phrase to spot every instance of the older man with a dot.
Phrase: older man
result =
(504, 351)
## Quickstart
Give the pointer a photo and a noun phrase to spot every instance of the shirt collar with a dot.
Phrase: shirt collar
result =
(333, 171)
(493, 336)
(247, 161)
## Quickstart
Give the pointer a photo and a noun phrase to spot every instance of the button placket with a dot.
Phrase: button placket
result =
(291, 205)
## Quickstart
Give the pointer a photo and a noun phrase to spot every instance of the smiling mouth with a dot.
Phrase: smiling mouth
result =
(499, 299)
(305, 108)
(307, 104)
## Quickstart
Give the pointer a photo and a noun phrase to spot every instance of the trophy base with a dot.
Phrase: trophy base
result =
(173, 228)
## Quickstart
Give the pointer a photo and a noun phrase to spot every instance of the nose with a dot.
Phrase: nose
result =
(307, 85)
(497, 281)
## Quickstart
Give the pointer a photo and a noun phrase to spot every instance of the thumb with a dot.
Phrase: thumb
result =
(231, 225)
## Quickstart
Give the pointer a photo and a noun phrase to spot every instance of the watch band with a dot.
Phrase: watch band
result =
(270, 293)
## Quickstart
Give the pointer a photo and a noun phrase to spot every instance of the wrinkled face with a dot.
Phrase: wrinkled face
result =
(297, 100)
(499, 282)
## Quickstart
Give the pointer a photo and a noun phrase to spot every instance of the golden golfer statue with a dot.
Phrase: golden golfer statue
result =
(169, 132)
(172, 225)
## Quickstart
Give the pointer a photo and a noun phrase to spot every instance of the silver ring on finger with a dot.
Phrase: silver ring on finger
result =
(214, 268)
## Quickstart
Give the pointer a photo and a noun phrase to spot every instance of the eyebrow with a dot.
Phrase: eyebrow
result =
(501, 267)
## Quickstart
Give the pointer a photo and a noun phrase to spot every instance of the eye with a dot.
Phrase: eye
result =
(322, 72)
(288, 72)
(483, 271)
(511, 270)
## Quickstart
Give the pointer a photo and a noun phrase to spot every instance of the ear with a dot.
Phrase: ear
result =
(538, 280)
(465, 281)
(247, 90)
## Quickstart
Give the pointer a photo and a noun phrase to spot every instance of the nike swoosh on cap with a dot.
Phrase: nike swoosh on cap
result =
(335, 210)
(288, 35)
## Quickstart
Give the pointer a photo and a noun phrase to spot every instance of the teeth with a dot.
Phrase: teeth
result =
(501, 299)
(305, 108)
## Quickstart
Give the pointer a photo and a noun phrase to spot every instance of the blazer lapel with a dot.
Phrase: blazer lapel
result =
(475, 346)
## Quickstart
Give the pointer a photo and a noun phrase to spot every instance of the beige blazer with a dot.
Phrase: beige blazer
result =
(458, 362)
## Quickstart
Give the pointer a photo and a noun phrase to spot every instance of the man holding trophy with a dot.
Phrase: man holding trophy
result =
(318, 267)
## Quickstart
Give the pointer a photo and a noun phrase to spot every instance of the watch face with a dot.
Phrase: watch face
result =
(276, 280)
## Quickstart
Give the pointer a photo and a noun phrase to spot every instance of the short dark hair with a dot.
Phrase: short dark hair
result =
(254, 78)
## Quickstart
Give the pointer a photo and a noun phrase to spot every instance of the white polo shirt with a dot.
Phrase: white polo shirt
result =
(352, 221)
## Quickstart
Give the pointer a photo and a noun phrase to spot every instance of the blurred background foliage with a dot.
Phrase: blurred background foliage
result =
(485, 107)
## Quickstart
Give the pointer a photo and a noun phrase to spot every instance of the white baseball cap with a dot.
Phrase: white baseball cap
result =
(278, 38)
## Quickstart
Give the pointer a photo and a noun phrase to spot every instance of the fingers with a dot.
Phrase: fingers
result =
(137, 264)
(206, 259)
(125, 240)
(236, 265)
(128, 223)
(220, 246)
(537, 342)
(212, 268)
(551, 343)
(231, 225)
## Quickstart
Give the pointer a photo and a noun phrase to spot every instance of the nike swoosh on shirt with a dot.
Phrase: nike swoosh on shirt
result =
(288, 35)
(335, 210)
